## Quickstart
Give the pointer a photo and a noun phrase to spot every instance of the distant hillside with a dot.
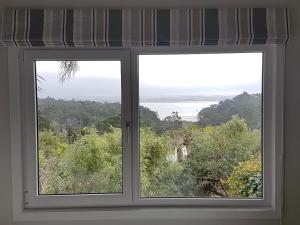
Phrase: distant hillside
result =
(247, 106)
(85, 113)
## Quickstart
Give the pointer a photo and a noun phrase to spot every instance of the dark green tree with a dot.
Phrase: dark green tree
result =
(244, 105)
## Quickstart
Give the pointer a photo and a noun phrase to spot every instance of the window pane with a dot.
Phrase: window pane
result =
(200, 125)
(79, 126)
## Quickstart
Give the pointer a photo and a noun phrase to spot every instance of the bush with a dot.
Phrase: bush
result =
(92, 164)
(215, 151)
(245, 180)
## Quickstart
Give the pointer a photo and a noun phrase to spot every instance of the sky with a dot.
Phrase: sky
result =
(159, 75)
(95, 80)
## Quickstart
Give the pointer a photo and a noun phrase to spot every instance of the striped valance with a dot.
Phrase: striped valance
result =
(142, 27)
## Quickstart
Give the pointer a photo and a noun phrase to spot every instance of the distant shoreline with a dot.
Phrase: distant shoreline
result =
(177, 101)
(187, 110)
(185, 98)
(164, 99)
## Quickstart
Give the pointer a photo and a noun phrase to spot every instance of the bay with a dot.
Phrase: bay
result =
(187, 110)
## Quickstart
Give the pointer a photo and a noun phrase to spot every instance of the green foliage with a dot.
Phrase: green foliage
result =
(64, 114)
(215, 151)
(76, 113)
(80, 151)
(245, 180)
(171, 122)
(154, 150)
(108, 124)
(148, 118)
(51, 145)
(95, 156)
(158, 176)
(91, 164)
(43, 123)
(244, 105)
(163, 180)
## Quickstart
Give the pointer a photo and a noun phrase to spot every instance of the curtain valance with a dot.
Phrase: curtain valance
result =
(142, 27)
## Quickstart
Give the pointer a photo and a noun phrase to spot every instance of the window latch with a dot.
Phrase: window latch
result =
(25, 199)
(127, 124)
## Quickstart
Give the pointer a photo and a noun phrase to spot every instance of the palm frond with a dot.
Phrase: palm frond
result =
(39, 80)
(67, 70)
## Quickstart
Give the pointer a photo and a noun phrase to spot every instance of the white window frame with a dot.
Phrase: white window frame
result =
(29, 129)
(269, 116)
(132, 206)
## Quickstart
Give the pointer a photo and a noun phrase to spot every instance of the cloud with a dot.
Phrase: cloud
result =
(159, 75)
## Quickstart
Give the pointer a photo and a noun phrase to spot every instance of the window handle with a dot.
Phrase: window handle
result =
(127, 124)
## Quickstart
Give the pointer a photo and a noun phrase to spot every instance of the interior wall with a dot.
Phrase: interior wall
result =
(292, 122)
(292, 103)
(5, 171)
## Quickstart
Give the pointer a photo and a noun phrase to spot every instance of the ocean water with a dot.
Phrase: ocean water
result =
(187, 110)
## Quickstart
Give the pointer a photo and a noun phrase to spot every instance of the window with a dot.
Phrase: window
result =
(79, 152)
(145, 128)
(73, 111)
(200, 125)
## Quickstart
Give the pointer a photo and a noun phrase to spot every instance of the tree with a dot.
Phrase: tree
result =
(85, 155)
(67, 70)
(77, 114)
(148, 118)
(244, 105)
(92, 164)
(215, 151)
(158, 176)
(171, 122)
(108, 124)
(52, 148)
(43, 123)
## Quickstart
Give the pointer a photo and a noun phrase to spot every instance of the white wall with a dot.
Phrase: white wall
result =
(292, 105)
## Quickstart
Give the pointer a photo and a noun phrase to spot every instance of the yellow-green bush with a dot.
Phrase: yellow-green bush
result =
(245, 180)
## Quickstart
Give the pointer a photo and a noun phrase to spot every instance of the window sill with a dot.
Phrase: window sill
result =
(146, 213)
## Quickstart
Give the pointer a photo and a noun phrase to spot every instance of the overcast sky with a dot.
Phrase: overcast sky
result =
(159, 75)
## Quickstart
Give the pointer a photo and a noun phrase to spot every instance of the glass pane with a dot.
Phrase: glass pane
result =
(200, 125)
(79, 126)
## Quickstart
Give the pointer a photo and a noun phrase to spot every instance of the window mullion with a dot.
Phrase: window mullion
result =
(135, 127)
